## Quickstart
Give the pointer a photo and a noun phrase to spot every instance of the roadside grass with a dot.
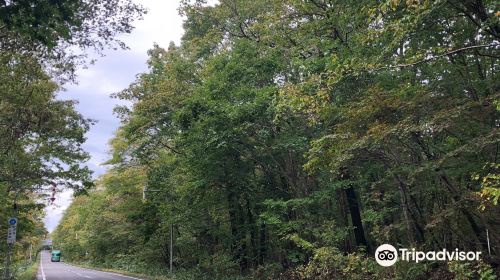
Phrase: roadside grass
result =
(30, 272)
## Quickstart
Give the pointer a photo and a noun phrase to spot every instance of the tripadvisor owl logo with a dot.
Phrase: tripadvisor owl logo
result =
(386, 255)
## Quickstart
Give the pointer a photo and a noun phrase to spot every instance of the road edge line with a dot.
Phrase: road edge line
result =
(41, 266)
(112, 273)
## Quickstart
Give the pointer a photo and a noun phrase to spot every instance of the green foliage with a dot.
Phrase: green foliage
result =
(41, 137)
(329, 263)
(49, 31)
(468, 270)
(288, 139)
(40, 143)
(30, 273)
(490, 184)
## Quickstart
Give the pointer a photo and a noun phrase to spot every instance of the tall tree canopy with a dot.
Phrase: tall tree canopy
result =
(288, 139)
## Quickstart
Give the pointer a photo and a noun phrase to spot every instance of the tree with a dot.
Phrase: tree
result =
(53, 32)
(40, 137)
(288, 139)
(41, 44)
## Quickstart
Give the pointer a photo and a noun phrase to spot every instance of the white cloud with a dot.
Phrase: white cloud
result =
(161, 25)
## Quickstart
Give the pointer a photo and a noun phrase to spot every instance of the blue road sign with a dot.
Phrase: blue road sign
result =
(11, 231)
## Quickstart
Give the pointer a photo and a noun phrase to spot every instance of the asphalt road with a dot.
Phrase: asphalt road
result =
(61, 271)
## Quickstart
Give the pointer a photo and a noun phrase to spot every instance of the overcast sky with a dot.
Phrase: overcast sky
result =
(112, 73)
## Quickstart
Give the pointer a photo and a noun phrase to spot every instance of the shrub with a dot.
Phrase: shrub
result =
(471, 270)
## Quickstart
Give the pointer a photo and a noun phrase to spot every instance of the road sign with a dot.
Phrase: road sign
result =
(12, 221)
(11, 231)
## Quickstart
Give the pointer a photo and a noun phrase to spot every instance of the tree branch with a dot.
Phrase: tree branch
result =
(437, 56)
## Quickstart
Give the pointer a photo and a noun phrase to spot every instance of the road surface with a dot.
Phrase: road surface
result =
(61, 271)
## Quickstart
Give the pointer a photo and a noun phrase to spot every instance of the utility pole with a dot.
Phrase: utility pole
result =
(11, 240)
(31, 252)
(488, 240)
(7, 262)
(171, 245)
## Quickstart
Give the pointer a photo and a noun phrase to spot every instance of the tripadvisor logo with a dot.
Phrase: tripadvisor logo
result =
(387, 255)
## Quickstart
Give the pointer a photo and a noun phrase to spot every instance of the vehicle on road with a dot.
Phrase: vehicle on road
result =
(55, 256)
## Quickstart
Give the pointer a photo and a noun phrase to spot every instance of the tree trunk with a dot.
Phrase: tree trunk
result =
(359, 233)
(344, 219)
(354, 209)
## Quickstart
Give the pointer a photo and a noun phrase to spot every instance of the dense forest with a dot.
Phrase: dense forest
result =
(281, 139)
(287, 139)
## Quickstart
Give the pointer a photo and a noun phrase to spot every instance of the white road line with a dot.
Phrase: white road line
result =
(98, 271)
(79, 274)
(41, 266)
(123, 275)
